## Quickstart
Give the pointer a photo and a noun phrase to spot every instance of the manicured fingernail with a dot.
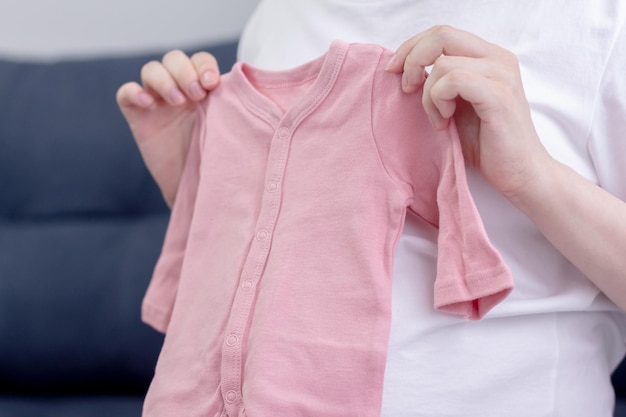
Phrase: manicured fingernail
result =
(392, 62)
(196, 91)
(176, 97)
(209, 78)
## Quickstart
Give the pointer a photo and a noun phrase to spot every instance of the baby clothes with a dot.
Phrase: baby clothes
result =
(274, 282)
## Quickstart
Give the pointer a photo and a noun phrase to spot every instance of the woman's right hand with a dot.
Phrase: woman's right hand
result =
(161, 112)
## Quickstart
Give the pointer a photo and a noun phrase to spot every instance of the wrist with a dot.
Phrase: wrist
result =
(537, 185)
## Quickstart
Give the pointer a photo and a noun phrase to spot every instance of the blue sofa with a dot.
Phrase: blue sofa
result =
(81, 226)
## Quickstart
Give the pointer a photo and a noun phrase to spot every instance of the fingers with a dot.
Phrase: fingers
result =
(463, 67)
(193, 76)
(206, 67)
(422, 50)
(440, 100)
(178, 78)
(473, 80)
(133, 95)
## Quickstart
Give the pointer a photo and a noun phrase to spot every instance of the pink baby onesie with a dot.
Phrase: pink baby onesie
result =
(274, 284)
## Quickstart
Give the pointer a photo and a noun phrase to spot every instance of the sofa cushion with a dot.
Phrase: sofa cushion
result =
(81, 226)
(83, 406)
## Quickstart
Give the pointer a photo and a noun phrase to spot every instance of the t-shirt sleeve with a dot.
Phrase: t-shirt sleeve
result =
(471, 276)
(607, 140)
(158, 302)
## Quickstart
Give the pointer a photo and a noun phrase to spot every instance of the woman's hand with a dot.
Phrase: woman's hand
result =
(161, 112)
(478, 84)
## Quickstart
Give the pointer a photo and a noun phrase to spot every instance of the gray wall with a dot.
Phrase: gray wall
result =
(53, 29)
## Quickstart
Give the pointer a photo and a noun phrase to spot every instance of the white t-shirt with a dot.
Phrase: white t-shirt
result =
(549, 349)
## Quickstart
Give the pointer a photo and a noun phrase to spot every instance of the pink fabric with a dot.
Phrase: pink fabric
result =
(275, 278)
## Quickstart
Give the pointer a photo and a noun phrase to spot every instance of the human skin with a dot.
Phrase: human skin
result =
(161, 112)
(472, 81)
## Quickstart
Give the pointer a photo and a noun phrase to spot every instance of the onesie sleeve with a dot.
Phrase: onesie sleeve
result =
(158, 302)
(471, 276)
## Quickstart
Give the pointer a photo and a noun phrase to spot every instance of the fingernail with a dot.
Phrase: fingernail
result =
(209, 78)
(176, 97)
(196, 91)
(405, 83)
(392, 62)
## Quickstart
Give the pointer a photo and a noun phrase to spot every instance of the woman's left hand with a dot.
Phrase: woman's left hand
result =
(478, 84)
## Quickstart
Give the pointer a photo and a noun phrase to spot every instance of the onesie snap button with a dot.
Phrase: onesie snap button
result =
(262, 235)
(283, 132)
(232, 340)
(247, 285)
(231, 396)
(272, 186)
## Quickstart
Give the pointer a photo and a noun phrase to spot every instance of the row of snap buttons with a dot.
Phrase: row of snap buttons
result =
(233, 340)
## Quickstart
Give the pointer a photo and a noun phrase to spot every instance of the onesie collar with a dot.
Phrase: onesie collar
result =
(324, 69)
